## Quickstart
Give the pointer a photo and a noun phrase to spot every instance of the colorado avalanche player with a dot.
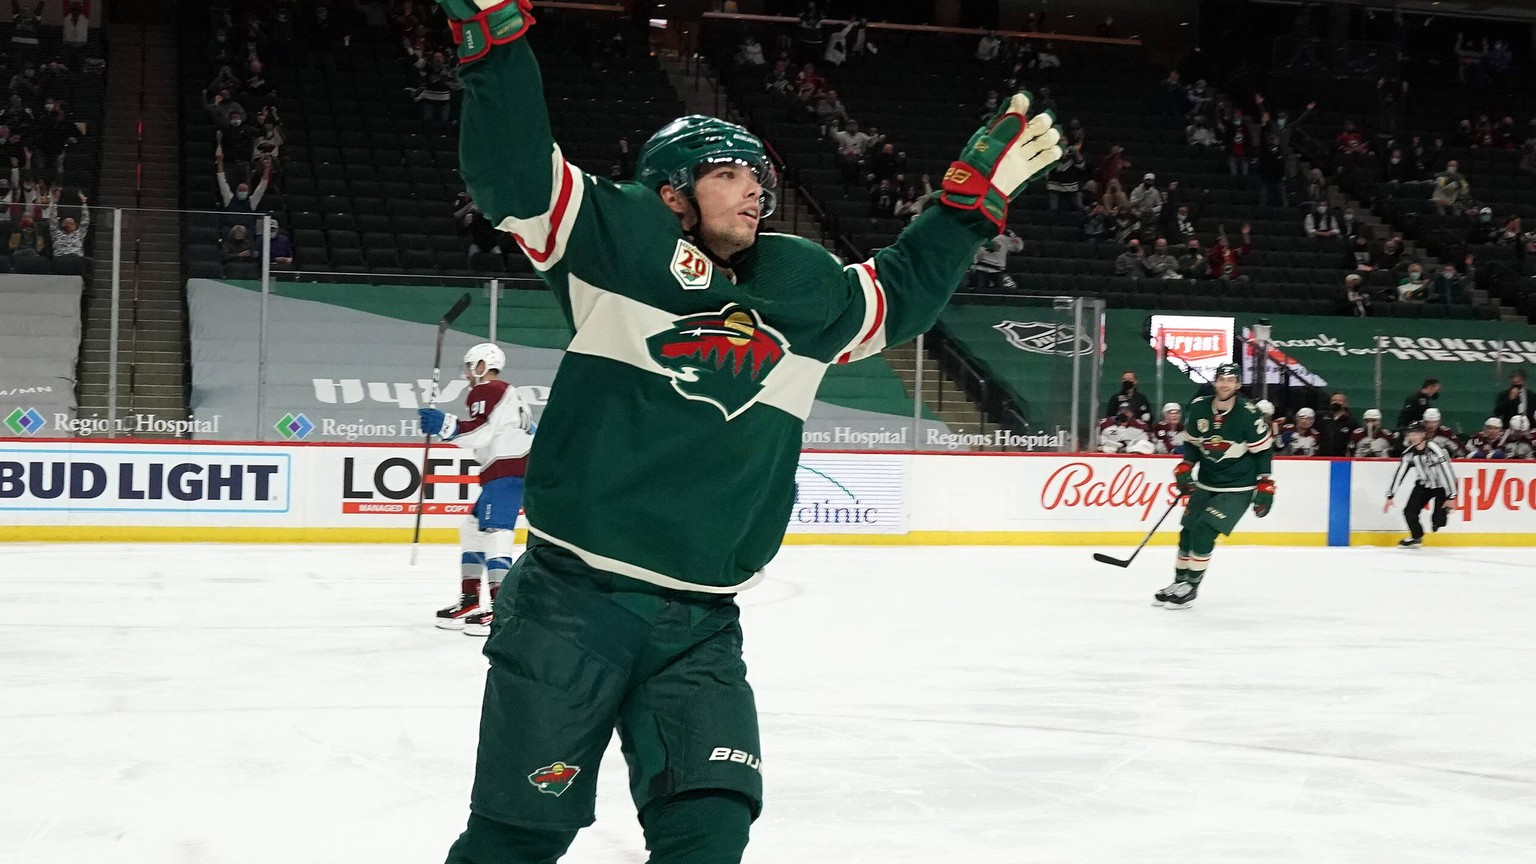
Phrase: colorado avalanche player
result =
(1489, 443)
(1517, 445)
(1300, 438)
(499, 431)
(1443, 435)
(1371, 441)
(1168, 433)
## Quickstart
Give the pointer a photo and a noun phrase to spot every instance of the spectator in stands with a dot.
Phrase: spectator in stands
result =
(1110, 168)
(270, 143)
(1272, 188)
(282, 245)
(438, 81)
(1047, 62)
(989, 269)
(1198, 98)
(882, 199)
(1350, 225)
(26, 15)
(236, 245)
(68, 236)
(222, 107)
(1317, 188)
(830, 113)
(1181, 228)
(240, 204)
(750, 53)
(1201, 132)
(54, 133)
(778, 81)
(1194, 264)
(1359, 259)
(1147, 201)
(1451, 189)
(1064, 186)
(483, 236)
(327, 35)
(257, 91)
(988, 48)
(1172, 97)
(1114, 200)
(1483, 228)
(1160, 264)
(852, 147)
(1239, 144)
(1321, 223)
(17, 115)
(1129, 262)
(1046, 102)
(888, 163)
(1097, 225)
(1391, 254)
(237, 141)
(26, 240)
(24, 84)
(913, 199)
(1225, 258)
(808, 36)
(837, 46)
(1398, 168)
(1414, 285)
(1351, 141)
(1077, 136)
(1448, 285)
(1505, 136)
(1357, 299)
(1511, 233)
(77, 32)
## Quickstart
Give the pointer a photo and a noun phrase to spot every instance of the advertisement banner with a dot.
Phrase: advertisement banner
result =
(1494, 497)
(159, 480)
(1194, 344)
(849, 494)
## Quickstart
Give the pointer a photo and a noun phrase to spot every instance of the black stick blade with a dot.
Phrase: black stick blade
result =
(455, 312)
(1105, 559)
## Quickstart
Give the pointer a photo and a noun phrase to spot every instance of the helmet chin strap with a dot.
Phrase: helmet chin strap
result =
(695, 236)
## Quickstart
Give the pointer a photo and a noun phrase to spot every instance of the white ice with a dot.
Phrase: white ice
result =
(250, 705)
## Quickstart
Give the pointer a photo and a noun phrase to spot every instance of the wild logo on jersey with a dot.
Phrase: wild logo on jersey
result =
(554, 779)
(719, 357)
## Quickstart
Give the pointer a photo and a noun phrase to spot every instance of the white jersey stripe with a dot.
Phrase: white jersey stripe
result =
(870, 339)
(544, 237)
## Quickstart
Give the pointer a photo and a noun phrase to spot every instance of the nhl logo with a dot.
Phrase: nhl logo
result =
(691, 268)
(1045, 337)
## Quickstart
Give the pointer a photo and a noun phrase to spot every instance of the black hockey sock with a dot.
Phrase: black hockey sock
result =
(709, 826)
(486, 841)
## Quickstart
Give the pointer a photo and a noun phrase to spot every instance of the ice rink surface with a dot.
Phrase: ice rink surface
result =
(257, 704)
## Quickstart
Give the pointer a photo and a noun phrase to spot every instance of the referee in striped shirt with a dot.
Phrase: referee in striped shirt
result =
(1436, 483)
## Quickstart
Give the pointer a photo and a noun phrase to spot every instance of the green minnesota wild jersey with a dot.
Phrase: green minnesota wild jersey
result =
(1232, 449)
(667, 451)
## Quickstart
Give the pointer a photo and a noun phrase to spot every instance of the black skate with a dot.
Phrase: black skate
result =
(1409, 543)
(1176, 596)
(478, 623)
(453, 617)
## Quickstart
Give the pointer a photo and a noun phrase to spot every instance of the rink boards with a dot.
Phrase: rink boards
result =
(85, 490)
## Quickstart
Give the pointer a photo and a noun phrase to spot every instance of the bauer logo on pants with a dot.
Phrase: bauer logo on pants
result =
(554, 779)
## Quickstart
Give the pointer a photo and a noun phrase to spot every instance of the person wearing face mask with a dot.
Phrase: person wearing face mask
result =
(237, 141)
(1415, 284)
(1448, 285)
(68, 235)
(239, 204)
(1130, 397)
(56, 132)
(26, 240)
(1359, 259)
(1399, 169)
(1335, 427)
(1418, 402)
(76, 31)
(27, 15)
(1321, 224)
(1451, 188)
(17, 115)
(24, 84)
(1483, 229)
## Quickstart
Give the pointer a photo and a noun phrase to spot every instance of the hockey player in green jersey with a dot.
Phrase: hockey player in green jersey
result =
(662, 478)
(1227, 453)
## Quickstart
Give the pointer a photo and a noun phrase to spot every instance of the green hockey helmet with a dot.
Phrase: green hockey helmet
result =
(1228, 370)
(677, 152)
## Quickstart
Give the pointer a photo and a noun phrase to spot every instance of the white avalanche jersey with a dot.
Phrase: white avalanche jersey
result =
(1296, 441)
(1118, 437)
(496, 430)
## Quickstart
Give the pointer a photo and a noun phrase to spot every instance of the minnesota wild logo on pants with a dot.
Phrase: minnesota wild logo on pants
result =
(554, 779)
(719, 357)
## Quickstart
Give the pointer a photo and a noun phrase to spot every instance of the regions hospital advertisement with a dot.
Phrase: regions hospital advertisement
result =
(226, 492)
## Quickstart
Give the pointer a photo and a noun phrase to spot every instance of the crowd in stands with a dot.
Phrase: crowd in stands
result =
(1129, 426)
(45, 68)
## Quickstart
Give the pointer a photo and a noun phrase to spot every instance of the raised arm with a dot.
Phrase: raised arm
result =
(900, 292)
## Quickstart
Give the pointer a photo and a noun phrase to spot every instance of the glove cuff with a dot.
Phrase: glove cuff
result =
(967, 188)
(477, 34)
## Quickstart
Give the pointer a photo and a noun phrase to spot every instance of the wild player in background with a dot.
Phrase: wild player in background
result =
(498, 430)
(1435, 483)
(1371, 441)
(1226, 465)
(662, 478)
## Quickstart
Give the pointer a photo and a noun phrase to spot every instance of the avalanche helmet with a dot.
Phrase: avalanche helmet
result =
(1227, 370)
(1495, 422)
(1373, 414)
(495, 359)
(1171, 406)
(1266, 407)
(1520, 423)
(1432, 415)
(1307, 413)
(677, 152)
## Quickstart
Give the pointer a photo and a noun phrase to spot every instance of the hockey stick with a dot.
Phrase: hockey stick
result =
(1126, 562)
(426, 445)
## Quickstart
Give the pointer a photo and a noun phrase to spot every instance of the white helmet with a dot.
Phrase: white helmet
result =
(1143, 446)
(1373, 414)
(1171, 406)
(1266, 407)
(495, 359)
(1307, 413)
(1432, 415)
(1494, 422)
(1520, 423)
